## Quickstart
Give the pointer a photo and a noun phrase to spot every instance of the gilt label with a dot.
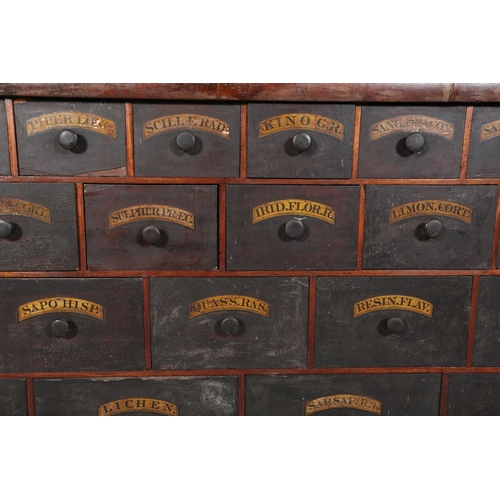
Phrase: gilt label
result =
(59, 304)
(138, 404)
(24, 208)
(293, 207)
(301, 121)
(431, 207)
(489, 130)
(411, 123)
(185, 121)
(229, 303)
(343, 401)
(381, 302)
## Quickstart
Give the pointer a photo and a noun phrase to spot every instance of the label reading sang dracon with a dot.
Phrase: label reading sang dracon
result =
(490, 130)
(411, 123)
(431, 207)
(229, 303)
(24, 208)
(195, 122)
(293, 207)
(381, 302)
(301, 121)
(343, 401)
(138, 404)
(59, 304)
(71, 119)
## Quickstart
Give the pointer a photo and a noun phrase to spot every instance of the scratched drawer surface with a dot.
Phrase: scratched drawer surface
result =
(300, 140)
(291, 227)
(343, 395)
(71, 324)
(229, 322)
(4, 145)
(151, 227)
(38, 227)
(13, 398)
(70, 138)
(380, 321)
(411, 142)
(474, 394)
(429, 227)
(172, 396)
(187, 140)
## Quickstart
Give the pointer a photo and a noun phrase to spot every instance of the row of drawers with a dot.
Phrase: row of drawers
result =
(309, 395)
(78, 324)
(284, 140)
(267, 227)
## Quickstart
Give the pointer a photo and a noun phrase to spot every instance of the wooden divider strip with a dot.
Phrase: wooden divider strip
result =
(466, 143)
(129, 135)
(80, 214)
(11, 137)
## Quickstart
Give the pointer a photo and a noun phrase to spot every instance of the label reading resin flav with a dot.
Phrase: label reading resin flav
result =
(25, 208)
(431, 207)
(195, 122)
(293, 207)
(59, 304)
(301, 121)
(343, 401)
(411, 123)
(138, 404)
(229, 303)
(381, 302)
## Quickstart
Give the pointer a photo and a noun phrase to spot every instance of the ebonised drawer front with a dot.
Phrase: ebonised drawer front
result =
(300, 140)
(291, 227)
(370, 322)
(172, 396)
(4, 145)
(13, 398)
(474, 394)
(229, 322)
(411, 142)
(71, 324)
(151, 227)
(70, 138)
(429, 227)
(363, 395)
(38, 227)
(187, 140)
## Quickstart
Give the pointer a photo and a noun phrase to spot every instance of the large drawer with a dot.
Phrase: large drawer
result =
(13, 398)
(4, 145)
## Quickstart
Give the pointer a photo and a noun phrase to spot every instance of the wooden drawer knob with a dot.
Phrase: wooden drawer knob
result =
(302, 142)
(60, 328)
(433, 228)
(415, 143)
(151, 235)
(68, 139)
(294, 229)
(230, 326)
(5, 229)
(185, 141)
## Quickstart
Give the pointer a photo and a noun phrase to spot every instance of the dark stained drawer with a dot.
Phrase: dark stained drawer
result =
(474, 394)
(429, 227)
(292, 227)
(38, 227)
(151, 227)
(71, 324)
(187, 140)
(4, 145)
(229, 322)
(411, 142)
(70, 138)
(363, 395)
(370, 322)
(172, 396)
(300, 140)
(13, 398)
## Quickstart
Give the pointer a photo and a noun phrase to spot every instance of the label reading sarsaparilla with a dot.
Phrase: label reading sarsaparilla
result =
(24, 208)
(411, 123)
(431, 207)
(138, 404)
(229, 303)
(150, 212)
(301, 121)
(71, 119)
(489, 130)
(293, 207)
(343, 401)
(413, 304)
(195, 122)
(59, 304)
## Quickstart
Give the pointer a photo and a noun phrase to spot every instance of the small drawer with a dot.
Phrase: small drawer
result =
(151, 227)
(4, 145)
(292, 227)
(300, 140)
(13, 400)
(71, 138)
(484, 149)
(172, 396)
(473, 394)
(187, 140)
(429, 227)
(370, 322)
(200, 323)
(38, 227)
(411, 142)
(71, 324)
(343, 395)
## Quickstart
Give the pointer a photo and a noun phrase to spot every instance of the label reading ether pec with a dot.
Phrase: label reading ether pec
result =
(194, 122)
(24, 208)
(130, 405)
(431, 207)
(229, 303)
(59, 304)
(293, 207)
(411, 123)
(343, 401)
(301, 121)
(413, 304)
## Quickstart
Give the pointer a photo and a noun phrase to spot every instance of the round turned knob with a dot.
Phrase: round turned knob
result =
(151, 235)
(59, 328)
(294, 229)
(5, 228)
(302, 141)
(185, 141)
(433, 228)
(415, 143)
(68, 139)
(396, 326)
(230, 326)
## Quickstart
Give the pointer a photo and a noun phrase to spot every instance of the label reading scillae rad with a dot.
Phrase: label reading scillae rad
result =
(301, 121)
(185, 121)
(130, 405)
(413, 304)
(229, 303)
(59, 304)
(411, 123)
(343, 401)
(25, 208)
(431, 207)
(293, 207)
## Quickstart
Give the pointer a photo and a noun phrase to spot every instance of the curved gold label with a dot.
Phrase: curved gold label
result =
(431, 207)
(413, 304)
(301, 121)
(411, 123)
(229, 303)
(71, 119)
(197, 122)
(59, 304)
(150, 212)
(343, 401)
(489, 130)
(130, 405)
(293, 207)
(24, 208)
